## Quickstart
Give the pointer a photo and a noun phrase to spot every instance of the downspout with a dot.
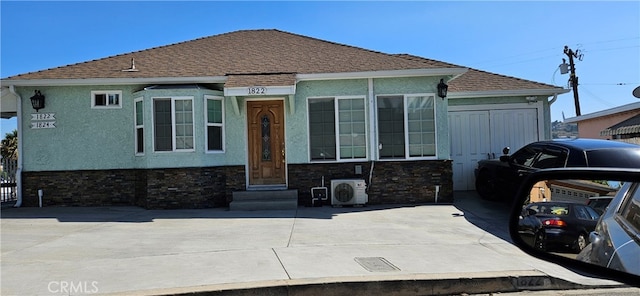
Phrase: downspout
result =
(20, 141)
(372, 132)
(555, 97)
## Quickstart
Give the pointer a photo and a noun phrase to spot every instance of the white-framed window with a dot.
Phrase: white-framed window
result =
(406, 126)
(106, 99)
(173, 124)
(337, 128)
(214, 119)
(138, 111)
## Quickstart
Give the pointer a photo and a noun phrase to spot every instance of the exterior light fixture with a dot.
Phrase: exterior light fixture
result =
(442, 89)
(37, 101)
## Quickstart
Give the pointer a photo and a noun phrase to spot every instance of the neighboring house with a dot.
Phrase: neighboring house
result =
(592, 125)
(625, 131)
(568, 190)
(186, 125)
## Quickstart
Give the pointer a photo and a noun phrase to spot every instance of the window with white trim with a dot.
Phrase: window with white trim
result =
(173, 124)
(337, 128)
(214, 118)
(139, 126)
(106, 99)
(406, 126)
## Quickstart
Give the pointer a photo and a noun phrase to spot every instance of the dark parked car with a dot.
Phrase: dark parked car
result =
(499, 179)
(615, 242)
(599, 203)
(554, 225)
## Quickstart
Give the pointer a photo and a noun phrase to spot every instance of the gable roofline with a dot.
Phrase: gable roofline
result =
(607, 112)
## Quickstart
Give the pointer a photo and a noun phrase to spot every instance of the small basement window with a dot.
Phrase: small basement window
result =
(106, 99)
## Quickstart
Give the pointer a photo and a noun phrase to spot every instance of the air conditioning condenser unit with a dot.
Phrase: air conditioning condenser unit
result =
(348, 192)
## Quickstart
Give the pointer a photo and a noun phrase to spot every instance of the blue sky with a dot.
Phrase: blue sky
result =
(520, 39)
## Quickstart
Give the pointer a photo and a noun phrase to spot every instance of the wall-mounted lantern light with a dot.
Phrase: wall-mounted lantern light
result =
(442, 89)
(37, 101)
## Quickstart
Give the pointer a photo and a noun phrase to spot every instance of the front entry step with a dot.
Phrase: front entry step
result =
(260, 200)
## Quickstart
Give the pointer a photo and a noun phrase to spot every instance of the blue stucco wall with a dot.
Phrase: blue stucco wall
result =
(84, 138)
(98, 139)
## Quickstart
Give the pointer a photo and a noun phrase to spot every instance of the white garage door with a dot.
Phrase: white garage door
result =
(482, 134)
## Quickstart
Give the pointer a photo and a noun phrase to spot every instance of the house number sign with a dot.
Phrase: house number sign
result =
(256, 90)
(43, 120)
(43, 116)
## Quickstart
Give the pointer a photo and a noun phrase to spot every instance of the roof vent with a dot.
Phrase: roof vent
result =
(133, 66)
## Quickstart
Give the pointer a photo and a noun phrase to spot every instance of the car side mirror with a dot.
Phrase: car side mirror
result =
(604, 246)
(504, 158)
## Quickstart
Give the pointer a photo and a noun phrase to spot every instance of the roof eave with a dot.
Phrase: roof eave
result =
(615, 110)
(112, 81)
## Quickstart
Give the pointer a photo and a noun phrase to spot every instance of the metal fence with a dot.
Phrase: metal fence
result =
(8, 187)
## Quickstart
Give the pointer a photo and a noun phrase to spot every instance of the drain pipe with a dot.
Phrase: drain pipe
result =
(373, 163)
(555, 97)
(372, 124)
(20, 141)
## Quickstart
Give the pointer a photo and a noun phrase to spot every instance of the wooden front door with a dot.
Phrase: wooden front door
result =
(266, 143)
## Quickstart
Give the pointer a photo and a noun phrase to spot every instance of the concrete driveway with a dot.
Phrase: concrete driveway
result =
(450, 248)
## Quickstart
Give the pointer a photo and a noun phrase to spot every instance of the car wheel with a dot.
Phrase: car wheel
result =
(485, 186)
(581, 242)
(538, 242)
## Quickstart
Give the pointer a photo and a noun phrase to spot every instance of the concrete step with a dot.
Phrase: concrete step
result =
(258, 200)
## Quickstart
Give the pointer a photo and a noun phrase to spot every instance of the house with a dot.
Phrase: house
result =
(578, 191)
(625, 131)
(191, 124)
(593, 125)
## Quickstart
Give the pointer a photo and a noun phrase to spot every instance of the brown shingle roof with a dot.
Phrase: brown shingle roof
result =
(261, 80)
(476, 80)
(245, 57)
(240, 52)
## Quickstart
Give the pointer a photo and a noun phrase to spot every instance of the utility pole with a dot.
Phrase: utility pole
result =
(573, 79)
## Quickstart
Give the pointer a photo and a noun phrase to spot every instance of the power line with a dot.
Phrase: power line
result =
(613, 40)
(617, 83)
(580, 46)
(518, 62)
(607, 103)
(611, 49)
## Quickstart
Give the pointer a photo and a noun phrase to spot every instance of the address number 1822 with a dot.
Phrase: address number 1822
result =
(257, 90)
